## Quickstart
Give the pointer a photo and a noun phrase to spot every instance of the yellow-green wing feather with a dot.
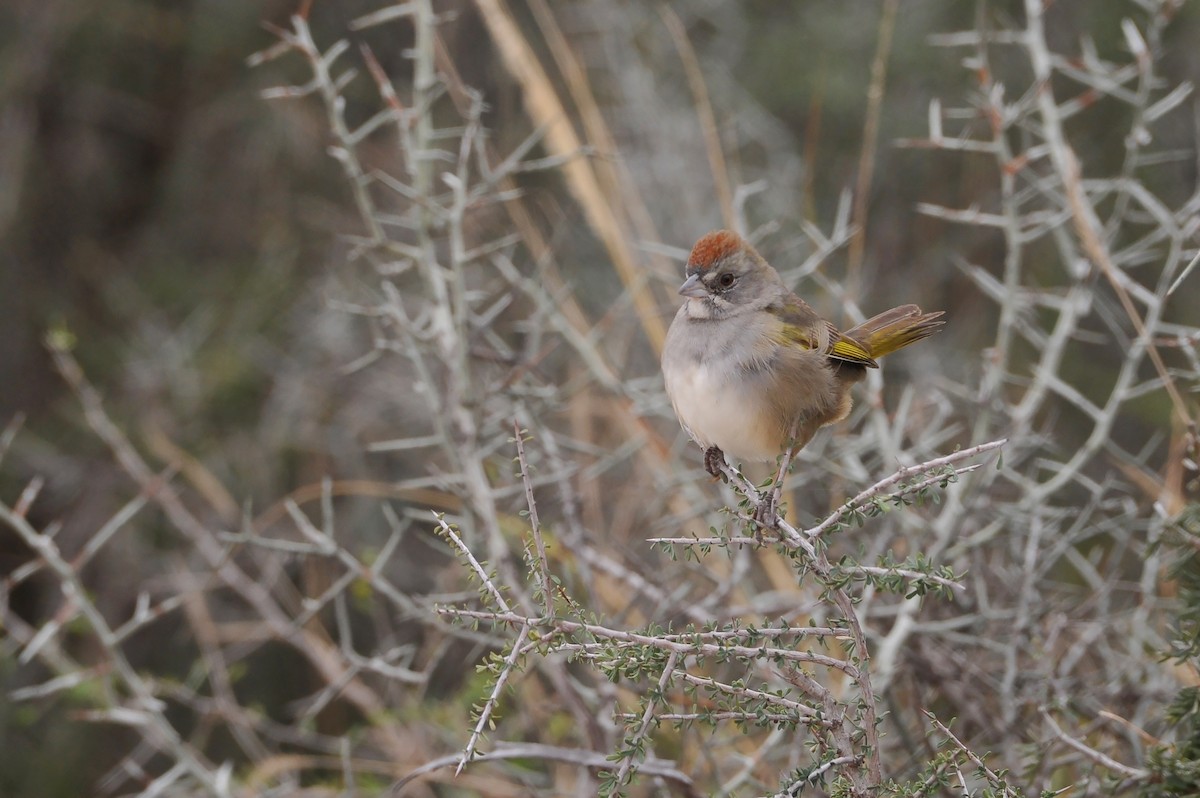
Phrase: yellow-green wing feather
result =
(801, 326)
(846, 348)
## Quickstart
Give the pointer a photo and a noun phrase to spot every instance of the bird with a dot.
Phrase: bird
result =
(751, 369)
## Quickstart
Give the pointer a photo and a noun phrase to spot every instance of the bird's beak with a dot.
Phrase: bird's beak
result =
(692, 287)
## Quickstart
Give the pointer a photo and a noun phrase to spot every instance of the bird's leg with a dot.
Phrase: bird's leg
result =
(714, 458)
(766, 512)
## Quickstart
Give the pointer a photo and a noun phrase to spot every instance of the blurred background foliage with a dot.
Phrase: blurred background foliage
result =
(186, 233)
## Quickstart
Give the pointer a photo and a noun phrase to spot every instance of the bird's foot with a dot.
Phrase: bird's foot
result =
(714, 458)
(766, 516)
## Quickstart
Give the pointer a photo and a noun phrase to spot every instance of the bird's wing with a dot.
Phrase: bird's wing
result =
(802, 327)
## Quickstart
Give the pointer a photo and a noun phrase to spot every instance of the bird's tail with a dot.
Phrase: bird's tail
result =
(895, 329)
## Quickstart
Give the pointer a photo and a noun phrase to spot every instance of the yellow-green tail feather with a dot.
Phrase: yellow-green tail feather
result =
(895, 329)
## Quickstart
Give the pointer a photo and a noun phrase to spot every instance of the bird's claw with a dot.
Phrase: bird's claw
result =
(714, 458)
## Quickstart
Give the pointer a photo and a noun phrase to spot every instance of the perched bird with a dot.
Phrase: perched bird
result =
(751, 368)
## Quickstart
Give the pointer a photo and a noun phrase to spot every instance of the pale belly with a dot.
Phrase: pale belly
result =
(723, 413)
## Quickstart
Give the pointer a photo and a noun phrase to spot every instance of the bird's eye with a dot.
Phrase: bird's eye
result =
(726, 280)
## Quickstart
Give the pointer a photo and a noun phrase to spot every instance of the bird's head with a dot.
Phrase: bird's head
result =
(726, 276)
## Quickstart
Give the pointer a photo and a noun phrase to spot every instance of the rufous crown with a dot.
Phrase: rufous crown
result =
(713, 247)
